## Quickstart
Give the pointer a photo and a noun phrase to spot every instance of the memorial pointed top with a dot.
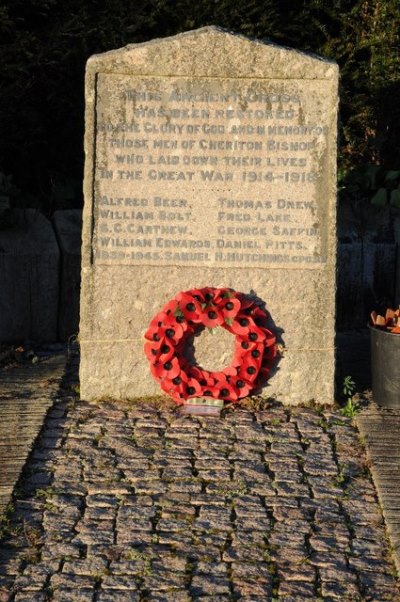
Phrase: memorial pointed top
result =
(213, 52)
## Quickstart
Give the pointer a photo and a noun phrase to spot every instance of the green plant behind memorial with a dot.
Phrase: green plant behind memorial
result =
(372, 184)
(45, 44)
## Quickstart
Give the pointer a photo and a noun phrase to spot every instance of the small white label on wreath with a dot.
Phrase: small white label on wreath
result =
(202, 406)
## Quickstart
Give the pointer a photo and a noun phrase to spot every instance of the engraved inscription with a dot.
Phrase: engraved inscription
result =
(209, 172)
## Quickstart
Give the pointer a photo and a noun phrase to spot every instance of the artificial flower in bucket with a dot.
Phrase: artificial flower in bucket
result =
(183, 317)
(390, 321)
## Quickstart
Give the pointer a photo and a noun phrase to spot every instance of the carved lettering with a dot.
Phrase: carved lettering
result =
(192, 176)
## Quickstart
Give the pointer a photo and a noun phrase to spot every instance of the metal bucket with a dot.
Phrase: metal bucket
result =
(385, 364)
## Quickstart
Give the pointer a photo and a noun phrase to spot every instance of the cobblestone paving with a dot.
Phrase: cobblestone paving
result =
(125, 502)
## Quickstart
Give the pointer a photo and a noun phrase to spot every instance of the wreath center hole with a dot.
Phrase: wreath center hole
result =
(214, 351)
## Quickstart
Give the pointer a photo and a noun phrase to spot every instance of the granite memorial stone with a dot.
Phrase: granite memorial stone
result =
(210, 161)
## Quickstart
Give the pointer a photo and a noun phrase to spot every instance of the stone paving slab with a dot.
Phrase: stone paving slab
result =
(123, 502)
(380, 429)
(134, 502)
(26, 393)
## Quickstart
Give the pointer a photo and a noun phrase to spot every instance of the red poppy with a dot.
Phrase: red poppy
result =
(242, 324)
(169, 369)
(270, 338)
(172, 331)
(257, 335)
(193, 388)
(230, 307)
(154, 333)
(249, 369)
(211, 390)
(152, 351)
(259, 316)
(221, 294)
(204, 377)
(196, 372)
(246, 303)
(242, 387)
(224, 390)
(169, 388)
(190, 307)
(211, 317)
(170, 307)
(199, 293)
(269, 354)
(176, 387)
(166, 351)
(226, 372)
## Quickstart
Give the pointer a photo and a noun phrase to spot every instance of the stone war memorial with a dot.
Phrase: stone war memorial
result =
(210, 162)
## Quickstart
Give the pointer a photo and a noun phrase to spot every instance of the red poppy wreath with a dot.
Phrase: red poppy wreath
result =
(188, 313)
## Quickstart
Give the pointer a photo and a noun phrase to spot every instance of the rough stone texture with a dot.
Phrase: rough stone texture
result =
(29, 261)
(68, 227)
(292, 272)
(143, 504)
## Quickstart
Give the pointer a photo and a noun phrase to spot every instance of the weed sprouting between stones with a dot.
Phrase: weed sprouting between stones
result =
(348, 389)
